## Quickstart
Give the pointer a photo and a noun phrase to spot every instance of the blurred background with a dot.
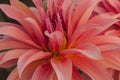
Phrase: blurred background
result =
(3, 18)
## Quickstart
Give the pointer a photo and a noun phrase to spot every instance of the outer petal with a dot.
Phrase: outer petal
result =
(14, 75)
(10, 57)
(91, 68)
(63, 68)
(44, 72)
(16, 33)
(30, 58)
(18, 15)
(2, 24)
(13, 14)
(19, 5)
(13, 45)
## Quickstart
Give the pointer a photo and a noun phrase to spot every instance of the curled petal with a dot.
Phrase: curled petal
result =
(10, 57)
(28, 59)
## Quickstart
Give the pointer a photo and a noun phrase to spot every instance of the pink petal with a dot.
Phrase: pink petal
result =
(2, 24)
(38, 3)
(107, 47)
(79, 11)
(19, 5)
(104, 21)
(14, 75)
(49, 26)
(66, 8)
(35, 11)
(14, 13)
(37, 30)
(9, 56)
(105, 39)
(96, 24)
(81, 33)
(88, 12)
(99, 10)
(44, 72)
(29, 70)
(40, 10)
(112, 57)
(53, 4)
(57, 40)
(91, 68)
(69, 23)
(113, 32)
(116, 75)
(93, 27)
(115, 4)
(29, 58)
(18, 15)
(88, 50)
(16, 33)
(63, 68)
(17, 45)
(82, 9)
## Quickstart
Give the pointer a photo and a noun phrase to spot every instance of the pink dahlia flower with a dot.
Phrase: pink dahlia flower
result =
(57, 41)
